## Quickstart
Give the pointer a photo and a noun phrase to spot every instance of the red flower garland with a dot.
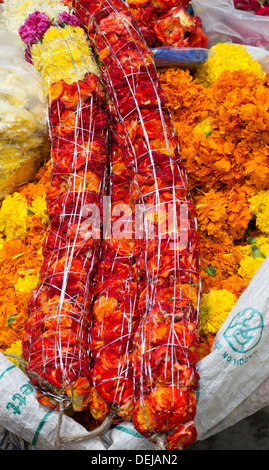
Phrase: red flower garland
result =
(56, 342)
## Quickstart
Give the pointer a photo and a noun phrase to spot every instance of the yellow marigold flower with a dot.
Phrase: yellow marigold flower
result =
(262, 244)
(27, 283)
(259, 205)
(204, 127)
(214, 308)
(249, 266)
(13, 217)
(16, 349)
(228, 57)
(39, 208)
(63, 54)
(259, 247)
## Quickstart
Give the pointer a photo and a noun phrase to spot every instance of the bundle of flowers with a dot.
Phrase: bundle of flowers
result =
(222, 119)
(153, 341)
(258, 7)
(168, 23)
(56, 340)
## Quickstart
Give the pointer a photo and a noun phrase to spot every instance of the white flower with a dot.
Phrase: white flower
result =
(16, 11)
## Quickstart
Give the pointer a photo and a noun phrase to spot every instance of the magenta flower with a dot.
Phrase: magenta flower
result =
(72, 20)
(28, 55)
(34, 27)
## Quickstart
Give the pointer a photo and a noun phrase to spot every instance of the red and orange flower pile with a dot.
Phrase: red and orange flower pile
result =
(152, 340)
(168, 23)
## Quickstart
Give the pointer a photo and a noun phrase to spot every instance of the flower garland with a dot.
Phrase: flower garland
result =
(144, 365)
(221, 114)
(63, 53)
(57, 46)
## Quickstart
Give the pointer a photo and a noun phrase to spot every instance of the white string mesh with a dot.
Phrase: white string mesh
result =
(113, 322)
(56, 342)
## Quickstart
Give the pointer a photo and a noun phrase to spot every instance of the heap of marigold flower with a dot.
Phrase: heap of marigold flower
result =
(221, 114)
(23, 222)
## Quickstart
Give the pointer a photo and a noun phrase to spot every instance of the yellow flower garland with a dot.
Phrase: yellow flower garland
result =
(63, 54)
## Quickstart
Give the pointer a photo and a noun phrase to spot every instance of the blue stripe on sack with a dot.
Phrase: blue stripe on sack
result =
(132, 432)
(40, 426)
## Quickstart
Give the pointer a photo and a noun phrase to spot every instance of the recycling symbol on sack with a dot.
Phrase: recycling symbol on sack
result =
(245, 330)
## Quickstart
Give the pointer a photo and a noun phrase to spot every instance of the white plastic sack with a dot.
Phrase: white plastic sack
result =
(234, 377)
(223, 23)
(41, 428)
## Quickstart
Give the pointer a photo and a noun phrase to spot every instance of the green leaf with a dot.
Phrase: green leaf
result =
(211, 271)
(256, 253)
(261, 2)
(251, 240)
(10, 320)
(29, 212)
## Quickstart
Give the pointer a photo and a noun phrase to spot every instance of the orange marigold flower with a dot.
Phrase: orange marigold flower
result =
(205, 346)
(187, 99)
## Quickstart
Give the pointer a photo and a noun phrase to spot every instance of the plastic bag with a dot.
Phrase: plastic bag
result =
(184, 57)
(261, 55)
(223, 23)
(23, 125)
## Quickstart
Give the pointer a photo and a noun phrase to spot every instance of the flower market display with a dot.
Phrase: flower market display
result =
(125, 252)
(157, 349)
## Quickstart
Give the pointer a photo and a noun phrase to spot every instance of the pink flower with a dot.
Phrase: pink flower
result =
(34, 27)
(72, 20)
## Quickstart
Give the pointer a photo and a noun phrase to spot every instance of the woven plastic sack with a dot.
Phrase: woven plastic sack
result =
(25, 424)
(234, 377)
(223, 23)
